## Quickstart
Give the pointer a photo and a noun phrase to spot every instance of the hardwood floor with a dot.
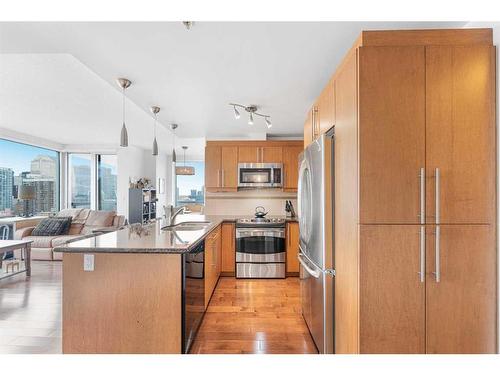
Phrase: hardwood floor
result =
(254, 316)
(244, 316)
(30, 311)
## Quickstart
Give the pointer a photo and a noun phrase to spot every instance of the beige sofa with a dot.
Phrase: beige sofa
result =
(84, 223)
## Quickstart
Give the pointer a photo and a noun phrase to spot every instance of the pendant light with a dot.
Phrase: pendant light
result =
(124, 83)
(174, 155)
(155, 110)
(184, 170)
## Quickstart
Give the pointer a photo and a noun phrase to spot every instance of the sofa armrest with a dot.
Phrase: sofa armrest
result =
(23, 232)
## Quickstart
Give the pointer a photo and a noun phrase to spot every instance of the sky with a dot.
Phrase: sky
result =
(186, 183)
(18, 156)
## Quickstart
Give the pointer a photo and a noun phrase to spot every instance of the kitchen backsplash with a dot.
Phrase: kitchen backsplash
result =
(244, 202)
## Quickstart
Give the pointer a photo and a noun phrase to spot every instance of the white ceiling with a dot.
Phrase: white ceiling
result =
(57, 79)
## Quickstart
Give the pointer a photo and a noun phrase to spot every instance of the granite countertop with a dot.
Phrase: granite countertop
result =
(150, 238)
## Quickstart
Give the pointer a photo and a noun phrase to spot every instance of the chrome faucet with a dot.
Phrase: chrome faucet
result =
(172, 214)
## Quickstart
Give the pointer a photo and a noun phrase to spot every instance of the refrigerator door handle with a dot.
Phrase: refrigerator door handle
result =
(437, 196)
(314, 273)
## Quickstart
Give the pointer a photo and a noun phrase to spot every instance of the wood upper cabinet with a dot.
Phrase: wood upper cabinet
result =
(391, 294)
(391, 133)
(259, 154)
(229, 168)
(308, 130)
(291, 167)
(221, 168)
(212, 167)
(461, 307)
(271, 154)
(228, 248)
(460, 133)
(326, 108)
(292, 247)
(249, 154)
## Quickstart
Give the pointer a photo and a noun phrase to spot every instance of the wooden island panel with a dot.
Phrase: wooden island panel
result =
(130, 303)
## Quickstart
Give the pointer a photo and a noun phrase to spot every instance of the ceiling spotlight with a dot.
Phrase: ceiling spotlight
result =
(236, 113)
(252, 110)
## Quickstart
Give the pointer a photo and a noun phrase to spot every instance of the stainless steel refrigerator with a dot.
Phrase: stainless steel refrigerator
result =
(316, 245)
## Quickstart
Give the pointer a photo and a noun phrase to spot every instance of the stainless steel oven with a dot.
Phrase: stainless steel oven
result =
(260, 175)
(260, 252)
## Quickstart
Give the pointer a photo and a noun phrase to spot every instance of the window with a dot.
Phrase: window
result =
(106, 180)
(22, 164)
(79, 180)
(191, 189)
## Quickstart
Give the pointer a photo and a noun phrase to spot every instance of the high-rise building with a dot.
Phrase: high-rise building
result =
(45, 166)
(80, 186)
(6, 187)
(107, 189)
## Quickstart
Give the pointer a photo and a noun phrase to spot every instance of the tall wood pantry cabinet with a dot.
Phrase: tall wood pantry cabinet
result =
(415, 193)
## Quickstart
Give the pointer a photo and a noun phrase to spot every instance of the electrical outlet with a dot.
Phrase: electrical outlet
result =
(88, 262)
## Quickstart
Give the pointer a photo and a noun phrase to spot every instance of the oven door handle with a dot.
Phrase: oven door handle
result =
(314, 273)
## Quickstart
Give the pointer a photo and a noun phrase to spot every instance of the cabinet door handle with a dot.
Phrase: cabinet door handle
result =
(422, 195)
(222, 179)
(218, 177)
(422, 254)
(437, 197)
(438, 254)
(257, 151)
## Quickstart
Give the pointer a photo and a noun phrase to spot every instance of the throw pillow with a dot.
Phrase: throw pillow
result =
(52, 226)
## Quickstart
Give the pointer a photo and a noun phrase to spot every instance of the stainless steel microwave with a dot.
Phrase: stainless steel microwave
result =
(260, 175)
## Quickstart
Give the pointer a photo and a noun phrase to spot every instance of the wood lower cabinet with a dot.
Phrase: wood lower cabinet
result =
(451, 310)
(291, 167)
(461, 306)
(391, 294)
(228, 249)
(213, 262)
(292, 248)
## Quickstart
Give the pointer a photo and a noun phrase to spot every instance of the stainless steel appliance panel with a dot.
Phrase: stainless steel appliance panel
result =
(260, 175)
(315, 204)
(260, 270)
(261, 258)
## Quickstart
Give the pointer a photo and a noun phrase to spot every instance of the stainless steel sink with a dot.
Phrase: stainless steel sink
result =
(189, 225)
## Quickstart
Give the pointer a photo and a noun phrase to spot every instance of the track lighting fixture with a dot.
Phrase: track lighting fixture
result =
(155, 110)
(124, 83)
(236, 113)
(252, 110)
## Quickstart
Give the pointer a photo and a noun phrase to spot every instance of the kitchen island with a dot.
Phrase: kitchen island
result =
(124, 292)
